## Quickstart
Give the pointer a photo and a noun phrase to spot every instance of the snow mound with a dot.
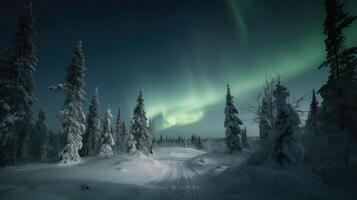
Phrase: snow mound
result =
(142, 169)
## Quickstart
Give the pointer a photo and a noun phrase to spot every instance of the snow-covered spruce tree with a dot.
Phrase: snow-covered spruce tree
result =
(24, 62)
(120, 135)
(287, 148)
(17, 65)
(107, 141)
(71, 116)
(339, 105)
(139, 127)
(232, 124)
(8, 114)
(92, 135)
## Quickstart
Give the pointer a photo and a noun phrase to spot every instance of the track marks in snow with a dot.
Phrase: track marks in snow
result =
(178, 183)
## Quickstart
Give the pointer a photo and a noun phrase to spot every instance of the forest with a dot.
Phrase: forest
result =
(290, 157)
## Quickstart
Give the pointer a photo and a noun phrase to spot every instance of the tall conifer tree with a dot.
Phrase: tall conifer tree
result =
(139, 127)
(71, 116)
(232, 123)
(92, 136)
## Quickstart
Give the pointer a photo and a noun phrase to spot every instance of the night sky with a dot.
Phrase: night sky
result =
(181, 52)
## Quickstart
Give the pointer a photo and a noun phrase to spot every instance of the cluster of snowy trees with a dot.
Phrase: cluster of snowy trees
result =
(97, 136)
(331, 127)
(21, 139)
(279, 126)
(326, 137)
(194, 142)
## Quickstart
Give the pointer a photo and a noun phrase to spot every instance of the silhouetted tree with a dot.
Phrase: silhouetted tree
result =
(339, 105)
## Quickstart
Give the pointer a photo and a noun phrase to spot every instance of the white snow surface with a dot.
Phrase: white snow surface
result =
(172, 173)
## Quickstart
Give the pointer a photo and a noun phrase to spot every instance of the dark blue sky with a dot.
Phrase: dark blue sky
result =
(181, 52)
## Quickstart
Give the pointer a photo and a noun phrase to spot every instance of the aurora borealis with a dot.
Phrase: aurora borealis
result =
(182, 53)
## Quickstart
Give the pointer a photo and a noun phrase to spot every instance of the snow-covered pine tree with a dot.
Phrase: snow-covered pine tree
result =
(17, 65)
(120, 135)
(92, 135)
(107, 140)
(287, 148)
(71, 116)
(8, 113)
(232, 123)
(139, 127)
(24, 62)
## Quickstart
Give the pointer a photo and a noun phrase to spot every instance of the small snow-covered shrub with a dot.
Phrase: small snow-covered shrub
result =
(106, 151)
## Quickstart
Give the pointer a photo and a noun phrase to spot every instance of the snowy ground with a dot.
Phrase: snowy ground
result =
(173, 173)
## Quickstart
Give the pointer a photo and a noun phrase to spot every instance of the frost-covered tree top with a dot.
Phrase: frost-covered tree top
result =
(281, 94)
(139, 112)
(231, 111)
(284, 110)
(75, 76)
(287, 149)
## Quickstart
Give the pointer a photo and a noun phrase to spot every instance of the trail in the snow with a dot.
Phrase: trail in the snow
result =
(178, 183)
